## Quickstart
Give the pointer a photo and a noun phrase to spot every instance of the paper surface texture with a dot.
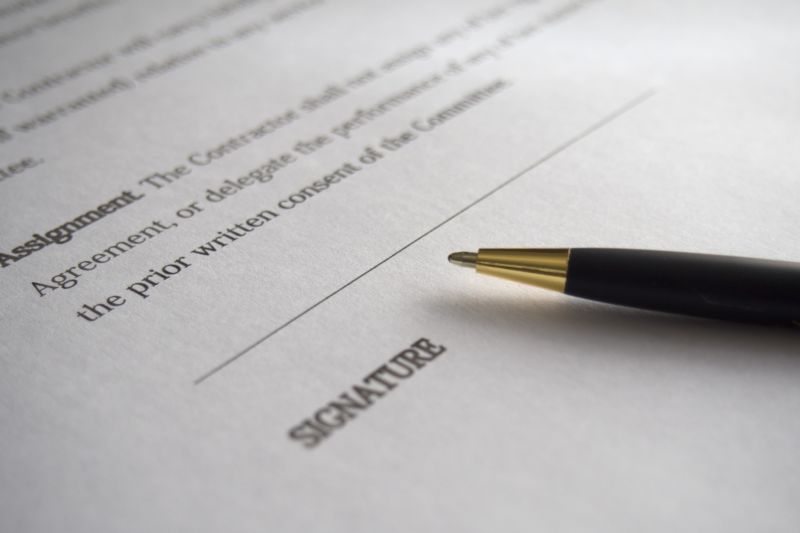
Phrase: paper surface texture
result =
(226, 300)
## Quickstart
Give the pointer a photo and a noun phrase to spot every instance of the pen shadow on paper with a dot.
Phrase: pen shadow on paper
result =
(624, 330)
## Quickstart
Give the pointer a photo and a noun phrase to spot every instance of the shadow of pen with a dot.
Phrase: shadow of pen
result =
(556, 320)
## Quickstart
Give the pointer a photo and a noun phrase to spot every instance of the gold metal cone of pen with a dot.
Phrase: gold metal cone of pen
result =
(542, 267)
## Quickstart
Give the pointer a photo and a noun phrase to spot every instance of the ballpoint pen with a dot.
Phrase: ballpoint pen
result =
(711, 286)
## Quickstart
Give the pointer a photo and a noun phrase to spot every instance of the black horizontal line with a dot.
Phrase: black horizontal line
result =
(585, 133)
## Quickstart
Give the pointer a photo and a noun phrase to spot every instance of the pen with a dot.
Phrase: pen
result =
(711, 286)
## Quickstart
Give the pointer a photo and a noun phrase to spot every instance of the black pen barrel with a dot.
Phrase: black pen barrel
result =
(712, 286)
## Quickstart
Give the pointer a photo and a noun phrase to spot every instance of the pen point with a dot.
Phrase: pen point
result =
(464, 259)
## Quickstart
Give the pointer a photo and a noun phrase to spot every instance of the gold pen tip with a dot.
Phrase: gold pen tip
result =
(464, 259)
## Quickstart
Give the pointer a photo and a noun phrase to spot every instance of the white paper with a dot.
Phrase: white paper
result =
(643, 124)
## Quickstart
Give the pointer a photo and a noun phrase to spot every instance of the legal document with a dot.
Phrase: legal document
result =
(226, 299)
